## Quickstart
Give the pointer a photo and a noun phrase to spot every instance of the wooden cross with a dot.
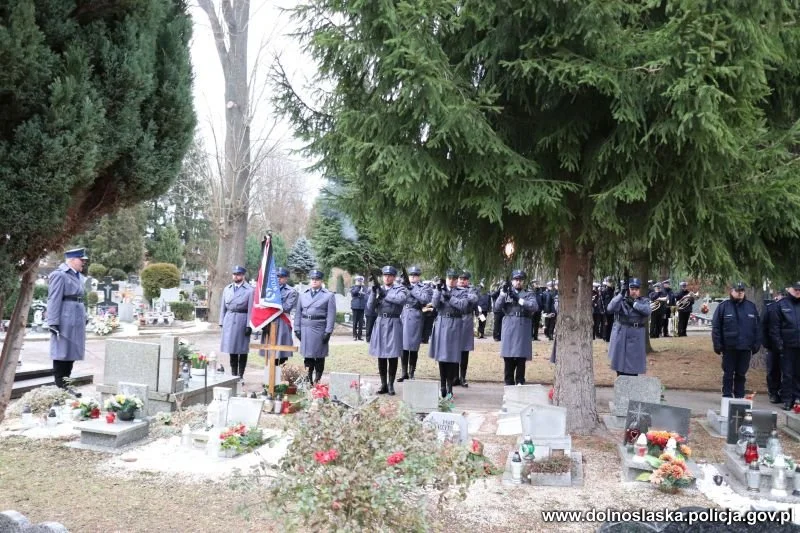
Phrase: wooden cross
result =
(271, 348)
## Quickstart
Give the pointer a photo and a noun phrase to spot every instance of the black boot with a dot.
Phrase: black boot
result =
(411, 370)
(404, 363)
(462, 368)
(310, 373)
(392, 374)
(382, 371)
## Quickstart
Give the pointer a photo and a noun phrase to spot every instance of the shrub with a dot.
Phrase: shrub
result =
(200, 291)
(117, 274)
(40, 292)
(340, 317)
(92, 298)
(97, 270)
(159, 276)
(182, 310)
(365, 469)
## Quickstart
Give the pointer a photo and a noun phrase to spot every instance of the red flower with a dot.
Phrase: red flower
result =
(320, 391)
(354, 384)
(477, 447)
(551, 393)
(326, 457)
(336, 506)
(396, 458)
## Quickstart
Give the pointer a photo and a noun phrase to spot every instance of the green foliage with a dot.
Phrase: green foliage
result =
(97, 270)
(182, 310)
(92, 299)
(40, 292)
(167, 247)
(117, 240)
(117, 274)
(301, 259)
(159, 276)
(337, 474)
(97, 114)
(200, 291)
(253, 252)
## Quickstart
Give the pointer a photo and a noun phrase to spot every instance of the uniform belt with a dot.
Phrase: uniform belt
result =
(389, 315)
(452, 315)
(631, 324)
(315, 317)
(524, 315)
(73, 298)
(412, 306)
(232, 311)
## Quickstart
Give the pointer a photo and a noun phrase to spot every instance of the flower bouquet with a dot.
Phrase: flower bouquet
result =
(240, 439)
(657, 441)
(124, 406)
(199, 362)
(88, 408)
(480, 465)
(670, 474)
(768, 460)
(320, 392)
(105, 325)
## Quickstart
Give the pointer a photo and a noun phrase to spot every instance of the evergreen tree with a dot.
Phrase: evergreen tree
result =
(253, 252)
(560, 126)
(168, 248)
(117, 239)
(301, 258)
(97, 115)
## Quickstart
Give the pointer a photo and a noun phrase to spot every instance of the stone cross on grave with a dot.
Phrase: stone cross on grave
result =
(737, 421)
(271, 348)
(107, 287)
(638, 412)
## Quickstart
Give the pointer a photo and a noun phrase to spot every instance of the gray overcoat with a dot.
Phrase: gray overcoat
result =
(68, 314)
(468, 323)
(386, 341)
(517, 328)
(419, 295)
(234, 317)
(446, 343)
(627, 347)
(315, 317)
(285, 338)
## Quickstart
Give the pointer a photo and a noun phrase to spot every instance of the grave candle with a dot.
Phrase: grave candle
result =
(671, 447)
(527, 448)
(751, 452)
(516, 468)
(52, 417)
(796, 481)
(754, 477)
(640, 449)
(745, 432)
(27, 415)
(278, 405)
(779, 477)
(774, 444)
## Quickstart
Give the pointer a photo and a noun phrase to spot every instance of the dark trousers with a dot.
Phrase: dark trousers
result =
(447, 375)
(387, 364)
(409, 363)
(61, 370)
(536, 323)
(370, 325)
(655, 324)
(665, 323)
(735, 364)
(550, 326)
(790, 368)
(238, 364)
(315, 365)
(773, 361)
(462, 368)
(498, 326)
(597, 326)
(683, 321)
(625, 374)
(609, 327)
(427, 326)
(481, 328)
(514, 370)
(358, 323)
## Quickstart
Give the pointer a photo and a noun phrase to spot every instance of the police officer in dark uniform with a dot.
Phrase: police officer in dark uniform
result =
(736, 334)
(668, 305)
(597, 312)
(66, 316)
(784, 333)
(386, 339)
(498, 317)
(549, 310)
(518, 307)
(772, 356)
(686, 299)
(358, 301)
(419, 295)
(608, 295)
(657, 295)
(484, 306)
(536, 318)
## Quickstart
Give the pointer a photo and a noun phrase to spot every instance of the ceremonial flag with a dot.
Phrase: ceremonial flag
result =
(267, 305)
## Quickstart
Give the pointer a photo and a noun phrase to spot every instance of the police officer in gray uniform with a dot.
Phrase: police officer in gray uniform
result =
(451, 303)
(518, 307)
(627, 345)
(419, 295)
(468, 326)
(66, 316)
(313, 325)
(237, 302)
(358, 301)
(386, 342)
(289, 302)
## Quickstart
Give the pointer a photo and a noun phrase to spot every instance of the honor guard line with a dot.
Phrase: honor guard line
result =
(270, 348)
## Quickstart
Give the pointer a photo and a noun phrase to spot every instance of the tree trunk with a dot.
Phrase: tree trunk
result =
(15, 337)
(574, 379)
(232, 223)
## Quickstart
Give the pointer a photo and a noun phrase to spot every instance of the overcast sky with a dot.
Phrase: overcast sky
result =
(268, 29)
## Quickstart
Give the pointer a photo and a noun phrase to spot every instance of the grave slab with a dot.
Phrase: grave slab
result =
(421, 396)
(575, 476)
(346, 387)
(658, 416)
(447, 423)
(99, 434)
(138, 390)
(640, 388)
(245, 411)
(735, 465)
(133, 362)
(631, 469)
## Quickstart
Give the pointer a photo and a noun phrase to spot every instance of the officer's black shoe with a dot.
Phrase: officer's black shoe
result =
(391, 390)
(774, 398)
(444, 393)
(402, 378)
(457, 382)
(383, 390)
(411, 373)
(787, 407)
(464, 383)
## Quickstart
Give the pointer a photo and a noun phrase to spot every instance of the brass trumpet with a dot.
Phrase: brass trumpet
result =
(685, 303)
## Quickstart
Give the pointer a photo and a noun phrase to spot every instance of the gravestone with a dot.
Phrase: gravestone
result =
(245, 411)
(547, 427)
(763, 423)
(168, 364)
(792, 427)
(659, 417)
(126, 312)
(735, 418)
(448, 424)
(421, 396)
(515, 400)
(638, 388)
(133, 362)
(135, 389)
(346, 387)
(97, 434)
(724, 406)
(170, 295)
(717, 424)
(107, 288)
(133, 279)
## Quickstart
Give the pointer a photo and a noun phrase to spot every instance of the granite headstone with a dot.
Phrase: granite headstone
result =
(346, 387)
(421, 396)
(132, 362)
(736, 413)
(763, 423)
(639, 388)
(660, 417)
(245, 411)
(545, 421)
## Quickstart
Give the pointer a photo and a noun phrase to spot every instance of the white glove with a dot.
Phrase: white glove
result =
(521, 301)
(503, 294)
(479, 309)
(482, 317)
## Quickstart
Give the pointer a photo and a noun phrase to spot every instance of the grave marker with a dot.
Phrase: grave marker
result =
(659, 417)
(135, 389)
(346, 387)
(735, 419)
(763, 423)
(245, 411)
(133, 362)
(421, 396)
(547, 427)
(634, 388)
